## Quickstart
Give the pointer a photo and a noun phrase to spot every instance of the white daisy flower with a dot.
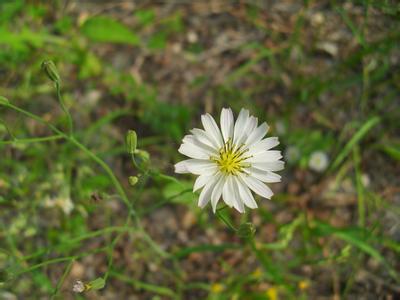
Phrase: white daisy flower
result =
(319, 161)
(232, 161)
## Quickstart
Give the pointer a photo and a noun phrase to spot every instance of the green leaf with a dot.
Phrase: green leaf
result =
(97, 284)
(162, 290)
(145, 16)
(180, 192)
(246, 230)
(104, 29)
(356, 237)
(392, 150)
(157, 41)
(286, 233)
(89, 65)
(163, 177)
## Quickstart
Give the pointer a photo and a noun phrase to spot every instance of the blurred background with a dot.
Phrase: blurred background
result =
(325, 75)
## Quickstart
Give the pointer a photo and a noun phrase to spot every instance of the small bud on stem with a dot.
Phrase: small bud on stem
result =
(133, 180)
(50, 69)
(4, 101)
(131, 141)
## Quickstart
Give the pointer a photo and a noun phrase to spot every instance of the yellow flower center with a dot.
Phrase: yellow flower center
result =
(230, 160)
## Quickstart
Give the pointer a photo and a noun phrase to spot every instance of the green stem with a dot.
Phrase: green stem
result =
(8, 129)
(37, 118)
(165, 291)
(265, 262)
(75, 142)
(32, 140)
(108, 170)
(113, 179)
(360, 187)
(65, 109)
(112, 247)
(78, 239)
(58, 260)
(134, 162)
(62, 279)
(225, 220)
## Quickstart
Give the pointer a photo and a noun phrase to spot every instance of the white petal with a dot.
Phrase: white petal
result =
(257, 186)
(266, 156)
(245, 194)
(181, 167)
(203, 137)
(227, 123)
(193, 140)
(270, 166)
(237, 202)
(201, 166)
(216, 194)
(193, 151)
(257, 134)
(249, 127)
(201, 181)
(264, 176)
(205, 194)
(227, 195)
(240, 125)
(263, 145)
(212, 129)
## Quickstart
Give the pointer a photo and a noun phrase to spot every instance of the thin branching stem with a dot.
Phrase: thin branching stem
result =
(65, 110)
(110, 173)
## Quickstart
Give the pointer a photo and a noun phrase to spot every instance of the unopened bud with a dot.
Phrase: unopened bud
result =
(133, 180)
(131, 141)
(51, 71)
(143, 155)
(142, 158)
(4, 101)
(246, 230)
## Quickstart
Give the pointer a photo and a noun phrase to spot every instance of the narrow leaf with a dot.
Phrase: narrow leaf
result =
(354, 140)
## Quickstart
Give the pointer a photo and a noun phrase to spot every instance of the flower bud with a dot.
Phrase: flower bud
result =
(51, 71)
(4, 101)
(131, 141)
(143, 155)
(133, 180)
(142, 159)
(246, 230)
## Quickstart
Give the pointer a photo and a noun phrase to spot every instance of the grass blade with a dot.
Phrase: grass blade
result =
(357, 137)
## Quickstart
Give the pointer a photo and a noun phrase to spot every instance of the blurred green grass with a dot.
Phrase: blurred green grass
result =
(324, 75)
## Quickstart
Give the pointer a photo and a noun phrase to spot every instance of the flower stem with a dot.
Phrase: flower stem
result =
(65, 109)
(225, 220)
(132, 213)
(75, 142)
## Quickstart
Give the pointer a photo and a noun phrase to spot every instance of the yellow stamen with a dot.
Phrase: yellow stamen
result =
(230, 160)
